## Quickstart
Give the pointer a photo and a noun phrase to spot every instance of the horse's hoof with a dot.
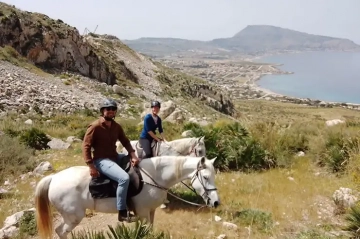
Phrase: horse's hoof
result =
(166, 201)
(163, 206)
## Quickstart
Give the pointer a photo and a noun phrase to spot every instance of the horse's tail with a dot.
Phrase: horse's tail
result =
(43, 211)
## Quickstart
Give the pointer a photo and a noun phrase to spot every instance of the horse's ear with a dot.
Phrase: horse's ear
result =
(201, 164)
(201, 139)
(213, 160)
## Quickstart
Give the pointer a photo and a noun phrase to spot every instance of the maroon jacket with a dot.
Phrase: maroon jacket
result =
(102, 139)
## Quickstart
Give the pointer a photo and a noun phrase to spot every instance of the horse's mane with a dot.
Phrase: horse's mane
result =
(180, 145)
(179, 163)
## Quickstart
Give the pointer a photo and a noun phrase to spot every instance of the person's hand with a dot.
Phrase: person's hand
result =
(135, 160)
(93, 171)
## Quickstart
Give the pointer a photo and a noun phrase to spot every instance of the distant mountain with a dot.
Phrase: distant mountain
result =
(252, 39)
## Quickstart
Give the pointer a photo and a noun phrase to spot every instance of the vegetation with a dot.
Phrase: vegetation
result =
(139, 231)
(258, 164)
(7, 53)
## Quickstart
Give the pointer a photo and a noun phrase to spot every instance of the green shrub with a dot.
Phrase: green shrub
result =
(353, 221)
(15, 157)
(281, 143)
(233, 146)
(27, 224)
(140, 230)
(256, 218)
(35, 138)
(338, 148)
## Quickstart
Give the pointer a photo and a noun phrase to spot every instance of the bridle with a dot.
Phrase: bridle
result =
(205, 195)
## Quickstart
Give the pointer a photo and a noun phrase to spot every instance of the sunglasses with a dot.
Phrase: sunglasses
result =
(110, 108)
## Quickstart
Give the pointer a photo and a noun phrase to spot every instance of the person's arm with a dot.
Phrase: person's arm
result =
(87, 144)
(161, 131)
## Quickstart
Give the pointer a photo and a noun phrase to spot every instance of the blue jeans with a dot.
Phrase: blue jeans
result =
(115, 172)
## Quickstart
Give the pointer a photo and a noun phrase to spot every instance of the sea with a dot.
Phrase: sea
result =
(326, 76)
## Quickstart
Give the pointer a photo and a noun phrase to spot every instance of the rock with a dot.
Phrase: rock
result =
(29, 121)
(72, 139)
(43, 167)
(212, 97)
(217, 218)
(175, 116)
(11, 224)
(334, 122)
(344, 198)
(187, 133)
(58, 144)
(8, 232)
(229, 225)
(221, 236)
(300, 154)
(3, 191)
(193, 120)
(117, 89)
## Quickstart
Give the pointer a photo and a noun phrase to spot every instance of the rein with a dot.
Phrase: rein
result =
(167, 190)
(193, 149)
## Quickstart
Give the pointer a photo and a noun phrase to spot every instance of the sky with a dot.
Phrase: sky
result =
(201, 19)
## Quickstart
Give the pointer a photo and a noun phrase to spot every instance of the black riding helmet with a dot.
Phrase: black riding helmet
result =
(107, 103)
(155, 103)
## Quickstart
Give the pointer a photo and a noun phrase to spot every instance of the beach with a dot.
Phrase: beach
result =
(326, 76)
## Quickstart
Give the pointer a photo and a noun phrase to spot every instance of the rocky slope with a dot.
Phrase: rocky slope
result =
(34, 40)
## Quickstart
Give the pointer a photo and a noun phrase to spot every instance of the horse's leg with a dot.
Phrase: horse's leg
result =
(143, 214)
(152, 216)
(70, 221)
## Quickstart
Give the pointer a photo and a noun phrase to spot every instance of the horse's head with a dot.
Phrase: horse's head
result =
(198, 148)
(203, 181)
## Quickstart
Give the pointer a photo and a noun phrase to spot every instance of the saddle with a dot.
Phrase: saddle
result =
(104, 187)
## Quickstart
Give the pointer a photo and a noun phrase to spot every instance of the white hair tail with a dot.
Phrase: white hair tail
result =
(44, 219)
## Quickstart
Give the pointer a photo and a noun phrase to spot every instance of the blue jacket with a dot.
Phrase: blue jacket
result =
(149, 125)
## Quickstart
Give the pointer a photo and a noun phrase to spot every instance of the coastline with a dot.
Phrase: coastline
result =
(273, 96)
(281, 97)
(238, 76)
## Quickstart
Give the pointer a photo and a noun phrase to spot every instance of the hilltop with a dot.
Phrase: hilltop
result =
(253, 39)
(54, 52)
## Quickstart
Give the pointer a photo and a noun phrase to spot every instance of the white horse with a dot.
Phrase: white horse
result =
(185, 146)
(68, 191)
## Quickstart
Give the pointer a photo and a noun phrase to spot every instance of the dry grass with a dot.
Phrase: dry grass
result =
(284, 201)
(262, 110)
(293, 204)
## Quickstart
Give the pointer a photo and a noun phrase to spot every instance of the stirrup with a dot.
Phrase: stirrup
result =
(129, 218)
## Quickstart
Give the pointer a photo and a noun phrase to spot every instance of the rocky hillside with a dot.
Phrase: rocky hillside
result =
(252, 39)
(71, 64)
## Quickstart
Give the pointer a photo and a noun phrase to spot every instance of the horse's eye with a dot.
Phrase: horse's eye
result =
(206, 177)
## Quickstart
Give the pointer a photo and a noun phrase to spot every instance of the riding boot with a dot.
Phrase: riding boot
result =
(125, 216)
